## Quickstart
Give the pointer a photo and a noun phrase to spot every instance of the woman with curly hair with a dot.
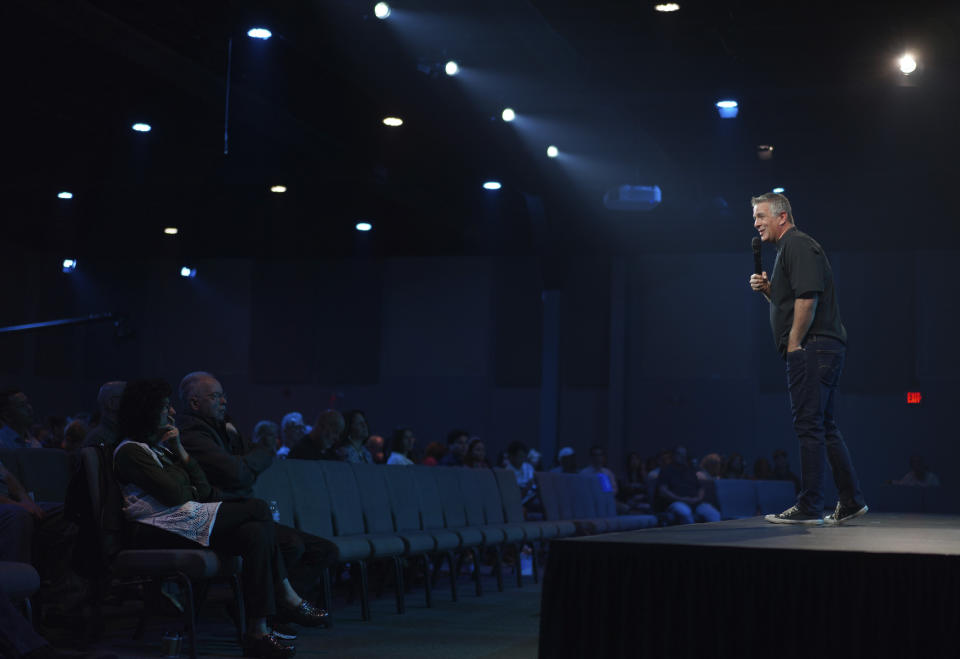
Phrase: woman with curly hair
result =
(172, 505)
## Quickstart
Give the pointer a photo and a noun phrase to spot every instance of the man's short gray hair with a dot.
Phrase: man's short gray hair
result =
(189, 384)
(264, 427)
(778, 203)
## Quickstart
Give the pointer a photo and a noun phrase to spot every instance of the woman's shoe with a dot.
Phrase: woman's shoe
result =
(267, 647)
(306, 614)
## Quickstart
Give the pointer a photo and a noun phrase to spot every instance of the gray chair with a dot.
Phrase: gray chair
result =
(551, 528)
(19, 582)
(776, 496)
(737, 498)
(605, 507)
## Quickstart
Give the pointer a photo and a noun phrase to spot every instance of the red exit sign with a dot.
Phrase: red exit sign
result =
(914, 398)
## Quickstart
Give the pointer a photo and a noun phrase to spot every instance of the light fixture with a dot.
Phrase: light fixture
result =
(187, 272)
(452, 68)
(364, 226)
(727, 108)
(64, 195)
(392, 121)
(508, 114)
(259, 33)
(667, 7)
(492, 185)
(279, 189)
(552, 151)
(141, 127)
(765, 152)
(777, 190)
(68, 265)
(908, 64)
(171, 231)
(381, 10)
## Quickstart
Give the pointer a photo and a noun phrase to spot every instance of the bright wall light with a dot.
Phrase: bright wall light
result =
(171, 231)
(64, 195)
(392, 121)
(508, 114)
(364, 226)
(727, 108)
(279, 189)
(778, 191)
(452, 68)
(187, 272)
(68, 265)
(908, 64)
(381, 10)
(667, 7)
(141, 127)
(259, 33)
(492, 185)
(552, 151)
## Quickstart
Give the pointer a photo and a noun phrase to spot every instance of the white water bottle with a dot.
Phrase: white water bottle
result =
(275, 511)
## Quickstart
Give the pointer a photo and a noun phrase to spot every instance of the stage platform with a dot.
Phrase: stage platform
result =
(884, 585)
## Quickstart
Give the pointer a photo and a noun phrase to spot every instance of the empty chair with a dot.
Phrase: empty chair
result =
(738, 498)
(474, 484)
(553, 527)
(774, 496)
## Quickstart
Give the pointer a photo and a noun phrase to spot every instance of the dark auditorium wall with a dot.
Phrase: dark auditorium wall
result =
(444, 342)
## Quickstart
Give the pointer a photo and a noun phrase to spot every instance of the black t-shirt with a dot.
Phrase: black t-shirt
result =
(802, 270)
(679, 479)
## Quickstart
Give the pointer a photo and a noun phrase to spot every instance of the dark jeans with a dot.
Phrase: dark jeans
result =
(306, 557)
(812, 377)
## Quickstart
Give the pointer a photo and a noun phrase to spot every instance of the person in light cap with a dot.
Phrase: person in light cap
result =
(567, 459)
(292, 430)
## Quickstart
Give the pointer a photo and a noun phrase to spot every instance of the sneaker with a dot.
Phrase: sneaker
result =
(843, 513)
(284, 631)
(794, 515)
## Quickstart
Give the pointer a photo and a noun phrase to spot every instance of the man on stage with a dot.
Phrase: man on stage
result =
(810, 336)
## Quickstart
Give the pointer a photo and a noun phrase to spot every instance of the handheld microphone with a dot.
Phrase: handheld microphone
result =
(757, 263)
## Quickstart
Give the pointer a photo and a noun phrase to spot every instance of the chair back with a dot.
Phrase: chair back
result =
(311, 500)
(345, 501)
(451, 498)
(510, 494)
(431, 510)
(374, 497)
(549, 495)
(404, 502)
(273, 486)
(489, 495)
(469, 481)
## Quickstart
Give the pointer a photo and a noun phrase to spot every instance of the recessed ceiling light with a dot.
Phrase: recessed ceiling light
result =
(259, 33)
(765, 152)
(727, 108)
(508, 114)
(364, 226)
(68, 265)
(392, 121)
(908, 64)
(171, 231)
(381, 10)
(64, 195)
(187, 272)
(279, 189)
(452, 68)
(667, 7)
(778, 190)
(552, 151)
(492, 185)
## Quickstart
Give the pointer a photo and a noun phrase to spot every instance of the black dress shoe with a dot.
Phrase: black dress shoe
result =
(307, 615)
(267, 647)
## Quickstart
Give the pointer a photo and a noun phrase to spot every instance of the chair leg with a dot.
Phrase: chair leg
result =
(476, 551)
(519, 564)
(398, 578)
(240, 607)
(498, 567)
(327, 595)
(190, 616)
(536, 567)
(364, 592)
(453, 576)
(428, 596)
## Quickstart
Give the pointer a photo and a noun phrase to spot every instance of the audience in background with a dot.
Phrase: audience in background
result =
(476, 454)
(535, 458)
(919, 475)
(566, 461)
(401, 447)
(762, 471)
(108, 401)
(710, 467)
(16, 417)
(523, 470)
(735, 467)
(457, 442)
(781, 469)
(598, 468)
(321, 442)
(74, 435)
(292, 430)
(433, 454)
(355, 436)
(684, 494)
(376, 446)
(632, 489)
(662, 459)
(267, 432)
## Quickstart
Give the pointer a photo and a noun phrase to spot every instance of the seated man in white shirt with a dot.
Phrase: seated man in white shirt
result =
(517, 460)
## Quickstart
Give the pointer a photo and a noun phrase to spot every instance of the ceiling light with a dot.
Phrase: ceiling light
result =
(364, 226)
(778, 190)
(392, 121)
(381, 10)
(492, 185)
(68, 265)
(667, 7)
(907, 64)
(727, 108)
(259, 33)
(764, 152)
(171, 231)
(187, 272)
(552, 151)
(279, 189)
(141, 128)
(452, 68)
(64, 195)
(508, 114)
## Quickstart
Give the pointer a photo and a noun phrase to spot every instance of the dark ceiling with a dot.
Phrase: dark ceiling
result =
(625, 92)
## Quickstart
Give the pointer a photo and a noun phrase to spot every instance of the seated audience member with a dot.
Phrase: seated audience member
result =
(355, 434)
(632, 489)
(268, 433)
(679, 487)
(476, 457)
(231, 463)
(171, 504)
(292, 430)
(16, 418)
(321, 442)
(376, 446)
(598, 468)
(762, 471)
(401, 447)
(710, 467)
(919, 475)
(535, 458)
(660, 460)
(735, 467)
(566, 461)
(105, 432)
(74, 435)
(516, 460)
(781, 469)
(433, 454)
(457, 442)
